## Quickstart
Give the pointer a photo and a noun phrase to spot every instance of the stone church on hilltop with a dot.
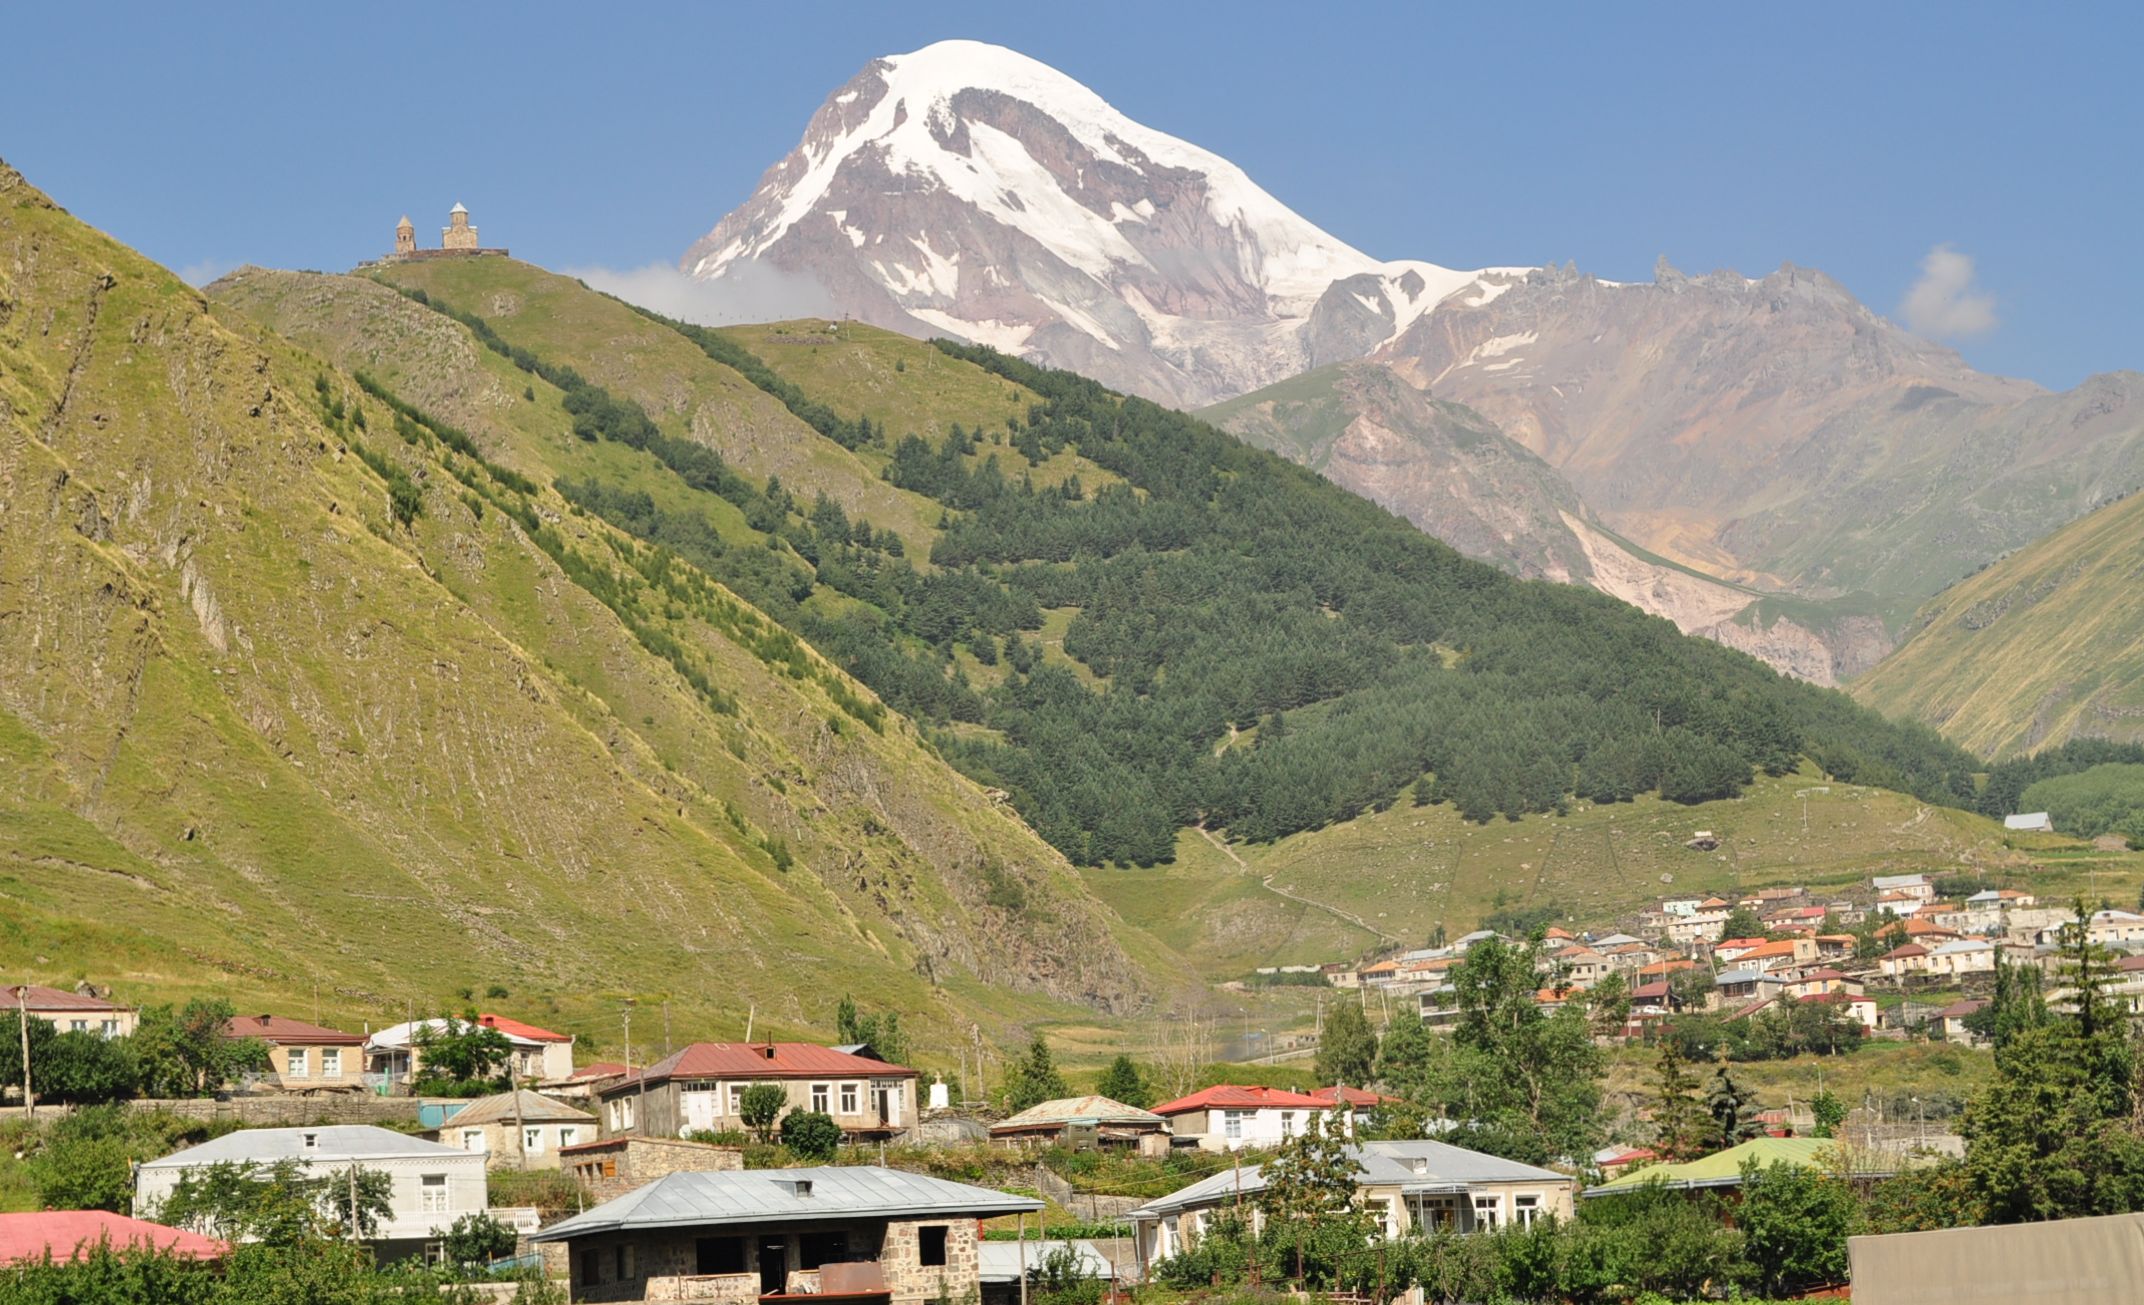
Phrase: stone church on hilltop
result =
(458, 237)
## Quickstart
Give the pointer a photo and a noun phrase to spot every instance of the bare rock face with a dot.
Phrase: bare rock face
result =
(966, 190)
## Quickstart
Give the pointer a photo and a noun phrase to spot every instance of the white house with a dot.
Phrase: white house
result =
(2029, 822)
(433, 1184)
(1229, 1118)
(395, 1054)
(1911, 885)
(1964, 956)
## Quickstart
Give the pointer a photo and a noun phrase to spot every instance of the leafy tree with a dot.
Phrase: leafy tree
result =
(1347, 1048)
(811, 1135)
(2018, 1004)
(1608, 1005)
(1310, 1182)
(1795, 1222)
(1743, 922)
(1518, 1082)
(1123, 1082)
(1830, 1112)
(1679, 1118)
(458, 1055)
(1404, 1057)
(282, 1204)
(760, 1106)
(1034, 1079)
(476, 1239)
(188, 1052)
(1734, 1115)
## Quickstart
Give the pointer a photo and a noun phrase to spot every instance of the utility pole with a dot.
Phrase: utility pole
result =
(22, 1013)
(353, 1201)
(521, 1132)
(629, 1052)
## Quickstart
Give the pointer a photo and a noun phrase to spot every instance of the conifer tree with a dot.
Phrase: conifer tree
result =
(1123, 1082)
(1679, 1118)
(1734, 1116)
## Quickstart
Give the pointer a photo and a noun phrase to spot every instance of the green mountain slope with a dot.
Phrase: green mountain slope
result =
(298, 692)
(1091, 645)
(2043, 646)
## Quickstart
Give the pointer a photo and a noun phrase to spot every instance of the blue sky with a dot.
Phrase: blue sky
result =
(1855, 139)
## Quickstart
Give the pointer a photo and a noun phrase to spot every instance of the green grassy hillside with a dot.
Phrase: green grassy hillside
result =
(1197, 586)
(2043, 646)
(299, 693)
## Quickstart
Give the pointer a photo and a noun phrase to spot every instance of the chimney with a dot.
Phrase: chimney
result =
(312, 1141)
(767, 1050)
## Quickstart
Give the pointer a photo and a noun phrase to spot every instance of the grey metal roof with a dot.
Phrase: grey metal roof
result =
(332, 1143)
(536, 1108)
(1000, 1261)
(1413, 1166)
(1741, 976)
(761, 1196)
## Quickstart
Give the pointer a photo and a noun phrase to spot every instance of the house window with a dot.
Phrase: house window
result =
(1287, 1123)
(568, 1134)
(1488, 1212)
(718, 1255)
(626, 1262)
(532, 1141)
(1526, 1209)
(331, 1062)
(1232, 1124)
(432, 1194)
(78, 1026)
(111, 1028)
(851, 1098)
(294, 1061)
(815, 1249)
(821, 1094)
(621, 1114)
(930, 1247)
(473, 1140)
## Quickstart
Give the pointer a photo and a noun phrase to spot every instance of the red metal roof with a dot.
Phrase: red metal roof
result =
(517, 1029)
(64, 1234)
(41, 998)
(766, 1060)
(1228, 1096)
(283, 1030)
(1352, 1096)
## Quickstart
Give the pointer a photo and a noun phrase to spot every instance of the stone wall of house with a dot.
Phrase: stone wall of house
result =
(912, 1281)
(614, 1166)
(289, 1111)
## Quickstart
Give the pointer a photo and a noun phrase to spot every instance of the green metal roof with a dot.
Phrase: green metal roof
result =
(1724, 1168)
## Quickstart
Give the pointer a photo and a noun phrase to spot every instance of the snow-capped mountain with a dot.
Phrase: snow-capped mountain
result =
(968, 190)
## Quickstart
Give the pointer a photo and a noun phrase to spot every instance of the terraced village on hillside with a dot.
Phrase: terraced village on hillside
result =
(1025, 725)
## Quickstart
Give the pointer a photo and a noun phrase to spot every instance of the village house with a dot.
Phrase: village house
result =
(1900, 904)
(1915, 886)
(700, 1088)
(1836, 946)
(1863, 1010)
(1341, 975)
(1962, 956)
(849, 1233)
(1729, 950)
(1737, 987)
(1439, 1008)
(1402, 1185)
(1229, 1118)
(2115, 928)
(1700, 925)
(612, 1166)
(1951, 1020)
(394, 1056)
(304, 1057)
(76, 1010)
(1086, 1121)
(517, 1130)
(582, 1083)
(433, 1185)
(2029, 822)
(1902, 962)
(1583, 966)
(1810, 982)
(1783, 954)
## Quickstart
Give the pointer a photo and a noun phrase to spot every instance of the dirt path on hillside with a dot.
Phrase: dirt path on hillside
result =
(1266, 881)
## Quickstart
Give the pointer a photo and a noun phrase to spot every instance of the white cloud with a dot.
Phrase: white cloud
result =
(745, 292)
(1944, 303)
(201, 273)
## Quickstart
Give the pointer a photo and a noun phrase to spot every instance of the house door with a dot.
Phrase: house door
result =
(888, 1101)
(773, 1265)
(699, 1110)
